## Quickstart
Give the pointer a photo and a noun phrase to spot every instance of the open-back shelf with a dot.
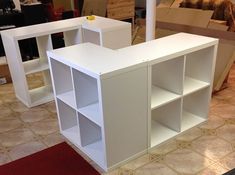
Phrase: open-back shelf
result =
(44, 37)
(68, 122)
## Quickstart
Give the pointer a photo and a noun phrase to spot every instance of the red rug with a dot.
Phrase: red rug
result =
(60, 159)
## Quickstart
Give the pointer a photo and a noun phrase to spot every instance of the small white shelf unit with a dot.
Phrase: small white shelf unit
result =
(94, 95)
(107, 98)
(101, 31)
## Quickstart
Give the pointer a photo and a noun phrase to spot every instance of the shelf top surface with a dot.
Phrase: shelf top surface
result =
(170, 46)
(94, 60)
(99, 24)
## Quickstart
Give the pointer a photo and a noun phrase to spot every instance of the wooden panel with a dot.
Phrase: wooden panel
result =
(119, 3)
(119, 13)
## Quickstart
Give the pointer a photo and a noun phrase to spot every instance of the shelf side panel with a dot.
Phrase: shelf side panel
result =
(44, 44)
(14, 60)
(72, 37)
(91, 36)
(125, 111)
(169, 75)
(62, 77)
(199, 64)
(86, 91)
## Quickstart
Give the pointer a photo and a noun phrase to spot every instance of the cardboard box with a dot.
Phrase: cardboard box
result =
(5, 76)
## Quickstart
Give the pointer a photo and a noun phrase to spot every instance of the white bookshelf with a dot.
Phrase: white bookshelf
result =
(101, 31)
(150, 90)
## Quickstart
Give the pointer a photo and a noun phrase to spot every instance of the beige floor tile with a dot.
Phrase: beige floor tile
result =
(232, 100)
(7, 125)
(212, 123)
(186, 161)
(189, 135)
(214, 101)
(45, 127)
(18, 107)
(26, 149)
(164, 148)
(4, 158)
(35, 114)
(5, 112)
(155, 168)
(224, 94)
(212, 147)
(229, 161)
(227, 132)
(114, 172)
(134, 164)
(6, 89)
(50, 107)
(53, 139)
(221, 108)
(16, 137)
(10, 98)
(215, 169)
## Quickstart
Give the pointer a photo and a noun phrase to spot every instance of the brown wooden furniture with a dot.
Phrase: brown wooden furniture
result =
(121, 9)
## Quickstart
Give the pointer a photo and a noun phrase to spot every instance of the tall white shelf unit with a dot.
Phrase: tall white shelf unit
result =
(101, 31)
(94, 96)
(116, 104)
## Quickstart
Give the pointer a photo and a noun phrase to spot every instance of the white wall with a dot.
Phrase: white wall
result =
(17, 3)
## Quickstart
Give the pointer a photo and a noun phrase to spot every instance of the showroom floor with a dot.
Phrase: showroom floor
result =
(207, 149)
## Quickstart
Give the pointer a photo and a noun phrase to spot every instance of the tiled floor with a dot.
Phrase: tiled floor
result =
(208, 149)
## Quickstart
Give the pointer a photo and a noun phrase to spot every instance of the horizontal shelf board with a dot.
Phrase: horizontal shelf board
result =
(72, 134)
(190, 120)
(41, 95)
(34, 66)
(160, 133)
(68, 98)
(192, 85)
(96, 152)
(92, 113)
(161, 96)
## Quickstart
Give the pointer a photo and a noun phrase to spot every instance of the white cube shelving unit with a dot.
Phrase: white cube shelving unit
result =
(101, 31)
(120, 103)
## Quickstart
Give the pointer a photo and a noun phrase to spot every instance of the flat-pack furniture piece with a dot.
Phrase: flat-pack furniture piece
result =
(102, 31)
(114, 105)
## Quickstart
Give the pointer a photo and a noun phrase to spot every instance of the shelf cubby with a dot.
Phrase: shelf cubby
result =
(167, 81)
(57, 40)
(68, 122)
(86, 89)
(191, 115)
(41, 94)
(72, 37)
(34, 66)
(63, 83)
(91, 36)
(165, 122)
(91, 138)
(198, 68)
